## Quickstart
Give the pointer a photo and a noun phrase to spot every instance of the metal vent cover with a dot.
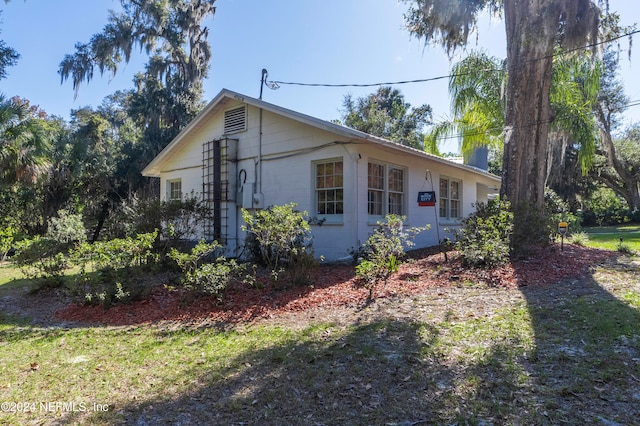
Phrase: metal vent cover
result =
(235, 120)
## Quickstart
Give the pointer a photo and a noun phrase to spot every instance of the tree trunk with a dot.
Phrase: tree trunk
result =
(530, 43)
(628, 181)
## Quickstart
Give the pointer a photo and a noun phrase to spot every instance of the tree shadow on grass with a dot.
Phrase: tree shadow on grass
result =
(586, 367)
(568, 353)
(385, 372)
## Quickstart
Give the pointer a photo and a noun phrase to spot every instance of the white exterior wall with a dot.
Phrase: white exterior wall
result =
(289, 149)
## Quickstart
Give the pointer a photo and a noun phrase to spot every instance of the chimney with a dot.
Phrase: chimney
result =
(478, 158)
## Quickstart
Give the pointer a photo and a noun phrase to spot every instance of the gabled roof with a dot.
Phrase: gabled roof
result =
(225, 96)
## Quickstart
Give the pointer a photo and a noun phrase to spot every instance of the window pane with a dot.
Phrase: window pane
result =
(444, 207)
(444, 188)
(376, 176)
(330, 209)
(396, 180)
(175, 190)
(328, 169)
(375, 203)
(329, 182)
(396, 202)
(455, 190)
(455, 208)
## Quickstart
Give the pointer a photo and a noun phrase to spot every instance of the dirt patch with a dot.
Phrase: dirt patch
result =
(337, 293)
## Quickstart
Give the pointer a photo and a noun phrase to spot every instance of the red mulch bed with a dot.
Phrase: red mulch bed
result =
(336, 286)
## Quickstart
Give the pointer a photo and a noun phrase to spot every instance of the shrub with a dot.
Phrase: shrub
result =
(280, 238)
(484, 238)
(625, 248)
(383, 250)
(210, 278)
(7, 237)
(604, 207)
(66, 228)
(579, 238)
(42, 259)
(557, 210)
(110, 271)
(176, 220)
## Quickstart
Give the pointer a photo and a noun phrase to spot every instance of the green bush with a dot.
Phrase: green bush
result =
(557, 210)
(177, 221)
(111, 271)
(66, 228)
(208, 278)
(484, 237)
(42, 259)
(7, 238)
(381, 253)
(280, 238)
(604, 207)
(579, 238)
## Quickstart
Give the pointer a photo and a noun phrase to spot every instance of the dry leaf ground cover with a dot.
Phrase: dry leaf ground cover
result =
(551, 340)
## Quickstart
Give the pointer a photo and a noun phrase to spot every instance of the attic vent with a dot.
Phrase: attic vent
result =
(235, 120)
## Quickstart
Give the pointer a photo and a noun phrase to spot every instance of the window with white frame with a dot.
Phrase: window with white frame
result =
(450, 198)
(385, 189)
(174, 189)
(329, 189)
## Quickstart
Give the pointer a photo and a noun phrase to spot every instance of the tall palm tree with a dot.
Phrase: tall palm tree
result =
(478, 105)
(24, 142)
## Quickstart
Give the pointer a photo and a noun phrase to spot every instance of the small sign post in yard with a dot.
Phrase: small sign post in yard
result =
(562, 230)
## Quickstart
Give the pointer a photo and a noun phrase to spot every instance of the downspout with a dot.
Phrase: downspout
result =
(262, 81)
(259, 189)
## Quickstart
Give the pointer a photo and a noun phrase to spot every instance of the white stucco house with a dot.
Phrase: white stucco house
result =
(245, 152)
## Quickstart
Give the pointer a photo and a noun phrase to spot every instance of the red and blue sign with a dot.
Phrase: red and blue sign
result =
(427, 198)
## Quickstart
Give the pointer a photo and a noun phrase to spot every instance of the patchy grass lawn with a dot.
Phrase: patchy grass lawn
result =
(565, 353)
(608, 237)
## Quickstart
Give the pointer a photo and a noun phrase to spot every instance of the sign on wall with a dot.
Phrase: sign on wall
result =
(427, 198)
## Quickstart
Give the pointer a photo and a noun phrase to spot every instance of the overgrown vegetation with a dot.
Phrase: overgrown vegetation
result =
(43, 260)
(206, 271)
(7, 238)
(604, 207)
(280, 238)
(533, 356)
(484, 239)
(381, 254)
(111, 272)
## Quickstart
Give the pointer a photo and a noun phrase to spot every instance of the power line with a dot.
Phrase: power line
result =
(460, 135)
(442, 77)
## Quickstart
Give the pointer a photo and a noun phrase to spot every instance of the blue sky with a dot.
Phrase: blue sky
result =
(311, 41)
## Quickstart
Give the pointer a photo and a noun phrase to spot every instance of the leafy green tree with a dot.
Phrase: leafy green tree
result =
(171, 32)
(167, 94)
(477, 105)
(24, 141)
(619, 170)
(386, 114)
(8, 58)
(619, 166)
(534, 32)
